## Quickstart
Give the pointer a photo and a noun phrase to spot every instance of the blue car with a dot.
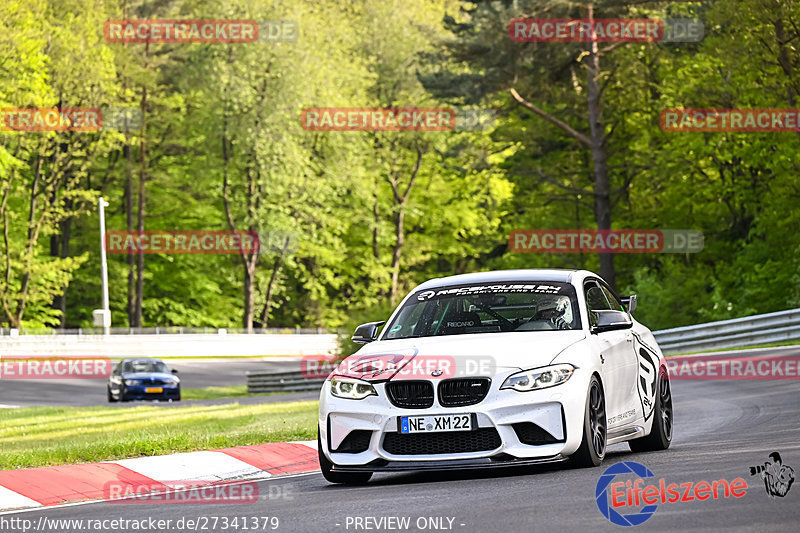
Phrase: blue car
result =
(143, 379)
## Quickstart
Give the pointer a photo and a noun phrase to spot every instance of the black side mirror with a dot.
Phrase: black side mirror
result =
(610, 320)
(630, 303)
(367, 332)
(174, 371)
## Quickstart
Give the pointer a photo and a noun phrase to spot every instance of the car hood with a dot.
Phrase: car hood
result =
(148, 375)
(471, 354)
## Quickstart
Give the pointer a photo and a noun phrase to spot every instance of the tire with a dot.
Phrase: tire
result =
(179, 395)
(593, 446)
(111, 398)
(345, 478)
(660, 436)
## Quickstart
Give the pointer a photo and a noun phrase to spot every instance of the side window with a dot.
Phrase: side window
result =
(595, 297)
(127, 367)
(595, 300)
(616, 305)
(118, 369)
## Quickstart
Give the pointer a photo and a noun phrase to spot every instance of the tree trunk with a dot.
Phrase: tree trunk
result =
(399, 234)
(137, 311)
(602, 185)
(16, 320)
(129, 224)
(271, 285)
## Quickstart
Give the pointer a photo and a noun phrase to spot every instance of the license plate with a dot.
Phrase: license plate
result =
(153, 389)
(431, 424)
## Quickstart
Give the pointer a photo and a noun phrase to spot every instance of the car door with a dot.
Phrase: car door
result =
(635, 372)
(617, 356)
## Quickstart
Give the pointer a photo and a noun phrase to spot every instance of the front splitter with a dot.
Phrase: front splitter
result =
(458, 464)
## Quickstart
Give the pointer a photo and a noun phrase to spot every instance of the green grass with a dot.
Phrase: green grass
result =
(793, 342)
(212, 393)
(46, 436)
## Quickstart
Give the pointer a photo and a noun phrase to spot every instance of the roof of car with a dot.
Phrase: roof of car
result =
(558, 275)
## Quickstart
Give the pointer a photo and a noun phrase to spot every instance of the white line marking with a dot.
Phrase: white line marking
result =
(74, 504)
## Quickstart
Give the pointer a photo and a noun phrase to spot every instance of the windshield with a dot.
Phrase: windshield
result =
(487, 308)
(145, 366)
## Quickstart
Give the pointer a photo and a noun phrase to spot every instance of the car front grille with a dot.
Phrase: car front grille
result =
(411, 394)
(152, 381)
(463, 391)
(480, 440)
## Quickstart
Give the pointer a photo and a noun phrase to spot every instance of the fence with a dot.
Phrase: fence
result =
(289, 381)
(747, 331)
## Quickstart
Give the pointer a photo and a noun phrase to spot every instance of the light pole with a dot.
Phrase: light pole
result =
(106, 311)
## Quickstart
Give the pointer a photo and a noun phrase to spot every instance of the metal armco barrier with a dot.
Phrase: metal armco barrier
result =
(746, 331)
(289, 381)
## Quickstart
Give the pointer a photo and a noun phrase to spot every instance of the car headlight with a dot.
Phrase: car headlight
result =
(539, 378)
(351, 388)
(133, 382)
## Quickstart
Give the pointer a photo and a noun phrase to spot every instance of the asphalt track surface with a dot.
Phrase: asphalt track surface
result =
(194, 373)
(721, 429)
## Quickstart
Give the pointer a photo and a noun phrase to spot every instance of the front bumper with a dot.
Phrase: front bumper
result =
(139, 392)
(558, 410)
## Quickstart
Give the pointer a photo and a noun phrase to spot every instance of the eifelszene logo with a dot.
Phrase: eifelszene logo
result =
(778, 477)
(631, 502)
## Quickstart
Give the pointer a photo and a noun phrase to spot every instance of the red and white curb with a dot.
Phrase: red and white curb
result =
(57, 485)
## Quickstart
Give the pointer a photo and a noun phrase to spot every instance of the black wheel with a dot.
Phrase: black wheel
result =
(178, 397)
(593, 446)
(660, 436)
(346, 478)
(111, 398)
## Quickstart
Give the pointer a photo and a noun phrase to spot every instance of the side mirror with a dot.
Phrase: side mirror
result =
(174, 371)
(367, 332)
(629, 303)
(610, 320)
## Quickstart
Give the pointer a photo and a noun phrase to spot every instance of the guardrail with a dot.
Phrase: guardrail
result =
(288, 381)
(747, 331)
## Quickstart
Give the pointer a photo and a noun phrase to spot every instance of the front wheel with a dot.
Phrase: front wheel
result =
(111, 398)
(346, 478)
(593, 446)
(660, 436)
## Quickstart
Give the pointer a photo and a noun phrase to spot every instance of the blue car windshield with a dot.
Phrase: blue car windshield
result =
(487, 308)
(145, 366)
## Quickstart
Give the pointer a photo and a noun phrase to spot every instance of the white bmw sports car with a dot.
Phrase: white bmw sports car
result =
(493, 369)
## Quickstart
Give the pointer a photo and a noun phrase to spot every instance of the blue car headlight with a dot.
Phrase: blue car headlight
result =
(539, 378)
(133, 382)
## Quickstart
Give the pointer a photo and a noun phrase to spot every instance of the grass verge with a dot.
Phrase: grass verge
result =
(212, 393)
(47, 436)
